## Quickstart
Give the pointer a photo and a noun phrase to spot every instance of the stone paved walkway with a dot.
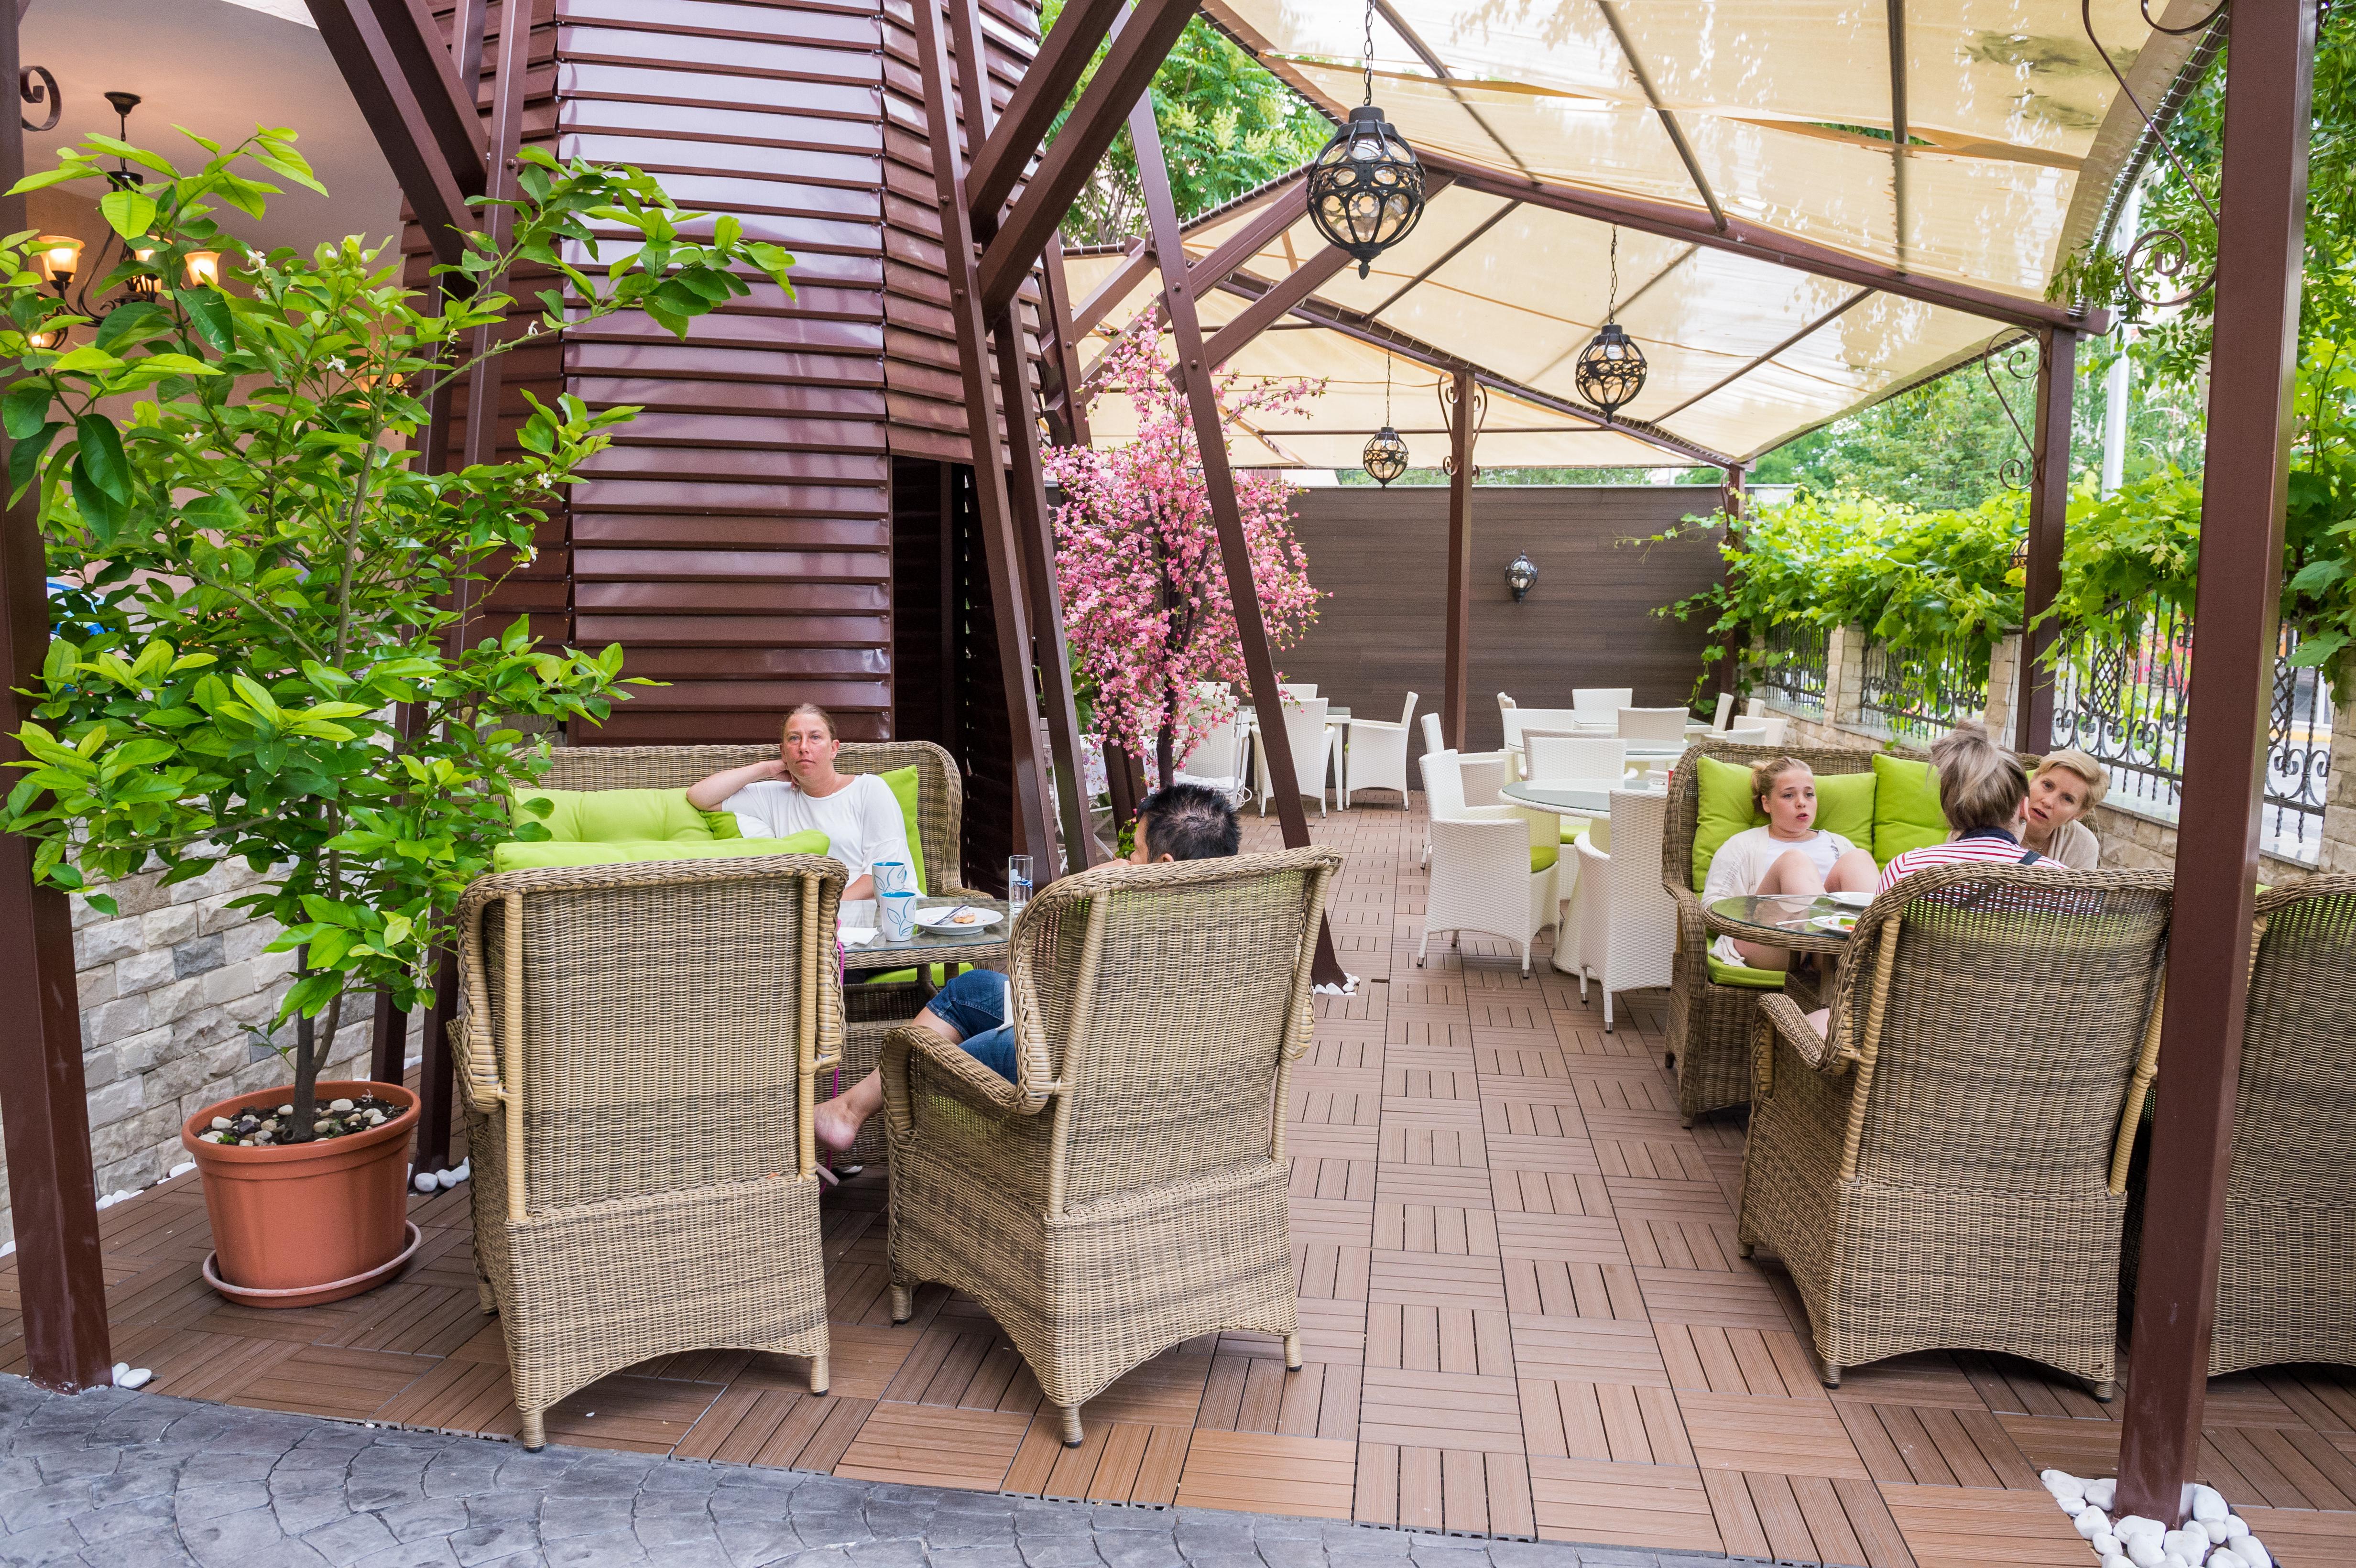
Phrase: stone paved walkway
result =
(130, 1480)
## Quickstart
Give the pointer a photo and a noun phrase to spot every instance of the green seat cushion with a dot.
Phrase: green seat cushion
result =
(1722, 972)
(902, 782)
(1573, 827)
(1844, 805)
(1906, 814)
(540, 856)
(620, 815)
(1542, 856)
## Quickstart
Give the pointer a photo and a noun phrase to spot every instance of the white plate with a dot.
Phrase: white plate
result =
(936, 919)
(1851, 901)
(1844, 923)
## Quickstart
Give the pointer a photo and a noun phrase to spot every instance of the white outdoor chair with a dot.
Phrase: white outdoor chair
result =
(1656, 726)
(1574, 756)
(1602, 702)
(1483, 777)
(1755, 708)
(1217, 760)
(1748, 735)
(1377, 754)
(1627, 922)
(1777, 727)
(1302, 690)
(1431, 737)
(1481, 875)
(1520, 721)
(1725, 710)
(1315, 747)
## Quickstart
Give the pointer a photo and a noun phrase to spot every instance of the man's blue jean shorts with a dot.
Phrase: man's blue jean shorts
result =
(974, 1004)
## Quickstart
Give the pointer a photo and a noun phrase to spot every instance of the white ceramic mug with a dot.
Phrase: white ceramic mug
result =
(899, 916)
(893, 876)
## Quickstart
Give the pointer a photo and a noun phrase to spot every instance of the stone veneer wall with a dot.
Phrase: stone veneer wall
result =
(177, 993)
(2131, 839)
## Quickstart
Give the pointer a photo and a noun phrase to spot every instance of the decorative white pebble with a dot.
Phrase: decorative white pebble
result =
(2143, 1551)
(2104, 1543)
(182, 1168)
(2251, 1551)
(2092, 1522)
(2199, 1534)
(446, 1180)
(424, 1182)
(2224, 1557)
(2234, 1528)
(2102, 1493)
(137, 1377)
(2208, 1503)
(2191, 1545)
(339, 1105)
(2118, 1560)
(6, 1247)
(121, 1368)
(2059, 1481)
(2135, 1524)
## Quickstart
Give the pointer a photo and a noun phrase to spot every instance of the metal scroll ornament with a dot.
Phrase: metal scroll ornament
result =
(43, 90)
(1611, 370)
(1385, 456)
(1365, 185)
(2020, 359)
(2164, 251)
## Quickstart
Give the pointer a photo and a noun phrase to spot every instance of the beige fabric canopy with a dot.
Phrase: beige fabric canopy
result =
(1716, 120)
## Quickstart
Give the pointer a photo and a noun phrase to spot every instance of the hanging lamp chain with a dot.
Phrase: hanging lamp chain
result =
(1611, 296)
(1368, 58)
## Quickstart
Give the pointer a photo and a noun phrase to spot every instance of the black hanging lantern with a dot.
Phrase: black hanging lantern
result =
(1611, 370)
(1365, 188)
(1522, 576)
(1385, 456)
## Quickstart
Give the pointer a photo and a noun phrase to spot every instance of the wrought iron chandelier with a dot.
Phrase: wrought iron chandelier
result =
(1611, 369)
(1365, 187)
(1386, 454)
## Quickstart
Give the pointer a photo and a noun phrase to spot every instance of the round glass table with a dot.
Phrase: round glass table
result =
(1569, 798)
(1797, 923)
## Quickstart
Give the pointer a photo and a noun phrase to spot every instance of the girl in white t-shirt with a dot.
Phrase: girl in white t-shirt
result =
(799, 790)
(1790, 854)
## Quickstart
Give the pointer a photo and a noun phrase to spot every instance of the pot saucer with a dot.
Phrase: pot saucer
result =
(316, 1295)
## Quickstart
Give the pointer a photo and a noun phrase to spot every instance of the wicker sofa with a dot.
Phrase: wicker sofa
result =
(1710, 1023)
(1128, 1191)
(871, 1009)
(638, 1047)
(1946, 1166)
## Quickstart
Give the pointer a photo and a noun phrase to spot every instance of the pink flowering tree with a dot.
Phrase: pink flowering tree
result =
(1146, 607)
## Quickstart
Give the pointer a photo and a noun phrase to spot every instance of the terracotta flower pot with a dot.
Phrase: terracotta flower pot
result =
(299, 1224)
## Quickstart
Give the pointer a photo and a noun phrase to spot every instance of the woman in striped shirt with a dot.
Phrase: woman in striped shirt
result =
(1981, 787)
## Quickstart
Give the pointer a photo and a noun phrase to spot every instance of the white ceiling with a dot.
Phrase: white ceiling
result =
(219, 68)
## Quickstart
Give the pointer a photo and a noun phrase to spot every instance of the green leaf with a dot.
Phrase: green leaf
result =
(137, 320)
(2318, 575)
(130, 211)
(25, 457)
(100, 454)
(48, 177)
(208, 312)
(25, 407)
(89, 359)
(2317, 650)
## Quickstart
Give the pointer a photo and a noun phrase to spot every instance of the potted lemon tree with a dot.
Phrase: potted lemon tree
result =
(254, 654)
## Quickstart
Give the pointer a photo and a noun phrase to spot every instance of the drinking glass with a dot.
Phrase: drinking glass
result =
(1018, 883)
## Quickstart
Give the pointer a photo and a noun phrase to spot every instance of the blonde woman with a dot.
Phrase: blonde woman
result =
(799, 790)
(2067, 785)
(1790, 854)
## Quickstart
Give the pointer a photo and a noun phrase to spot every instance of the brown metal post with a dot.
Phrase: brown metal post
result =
(1457, 675)
(426, 126)
(1034, 815)
(44, 1105)
(1026, 491)
(1219, 482)
(2049, 514)
(2260, 248)
(1732, 501)
(1068, 418)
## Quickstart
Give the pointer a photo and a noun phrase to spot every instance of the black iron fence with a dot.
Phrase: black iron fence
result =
(1915, 695)
(2124, 700)
(1787, 665)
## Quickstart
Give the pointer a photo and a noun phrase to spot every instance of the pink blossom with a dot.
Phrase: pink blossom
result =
(1146, 608)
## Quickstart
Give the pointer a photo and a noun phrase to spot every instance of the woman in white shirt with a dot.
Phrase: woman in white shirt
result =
(799, 790)
(2068, 783)
(1790, 854)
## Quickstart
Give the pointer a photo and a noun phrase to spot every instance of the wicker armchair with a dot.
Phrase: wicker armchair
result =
(1126, 1191)
(638, 1048)
(2286, 1273)
(1945, 1169)
(1709, 1025)
(871, 1010)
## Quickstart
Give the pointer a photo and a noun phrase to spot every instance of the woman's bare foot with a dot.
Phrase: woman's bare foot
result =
(836, 1125)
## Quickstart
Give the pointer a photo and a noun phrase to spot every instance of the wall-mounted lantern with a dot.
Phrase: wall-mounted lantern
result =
(1522, 576)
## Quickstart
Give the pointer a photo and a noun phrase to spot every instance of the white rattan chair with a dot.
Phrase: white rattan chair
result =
(1302, 690)
(1217, 760)
(1482, 776)
(1432, 740)
(1316, 746)
(1377, 754)
(1628, 924)
(1725, 710)
(1481, 875)
(1777, 727)
(1658, 726)
(1597, 704)
(1755, 708)
(1748, 735)
(1559, 756)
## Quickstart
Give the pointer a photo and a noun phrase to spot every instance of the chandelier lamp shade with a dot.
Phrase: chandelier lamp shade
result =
(1365, 188)
(1385, 456)
(1611, 370)
(58, 257)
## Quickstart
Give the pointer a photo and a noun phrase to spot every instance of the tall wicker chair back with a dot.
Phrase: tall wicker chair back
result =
(638, 1046)
(1945, 1168)
(2286, 1277)
(1709, 1025)
(1127, 1191)
(871, 1010)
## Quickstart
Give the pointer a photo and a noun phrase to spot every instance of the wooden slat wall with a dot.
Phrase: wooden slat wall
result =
(1381, 558)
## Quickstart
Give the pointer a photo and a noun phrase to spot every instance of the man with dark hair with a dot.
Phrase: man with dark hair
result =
(1179, 822)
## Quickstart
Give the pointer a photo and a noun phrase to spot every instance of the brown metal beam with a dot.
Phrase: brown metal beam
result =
(1279, 300)
(1068, 415)
(44, 1107)
(1667, 116)
(1132, 271)
(1062, 58)
(1145, 40)
(2048, 512)
(408, 90)
(1226, 513)
(1456, 676)
(1438, 68)
(1745, 238)
(1034, 819)
(1896, 27)
(1731, 501)
(1433, 187)
(1808, 329)
(2269, 86)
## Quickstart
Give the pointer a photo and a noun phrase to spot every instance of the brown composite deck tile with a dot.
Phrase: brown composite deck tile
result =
(1589, 1349)
(1549, 1193)
(1929, 1377)
(319, 1380)
(1268, 1473)
(1659, 1242)
(1349, 1179)
(935, 1446)
(1618, 1421)
(1439, 1339)
(1757, 1432)
(1933, 1445)
(1659, 1507)
(1443, 1410)
(1741, 1300)
(1572, 1290)
(2302, 1537)
(1455, 1229)
(1561, 1238)
(1709, 1358)
(1406, 1079)
(1434, 1279)
(1957, 1527)
(645, 1416)
(1526, 1114)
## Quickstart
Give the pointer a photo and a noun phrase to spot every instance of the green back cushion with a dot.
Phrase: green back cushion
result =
(1906, 814)
(1845, 804)
(618, 815)
(519, 856)
(903, 783)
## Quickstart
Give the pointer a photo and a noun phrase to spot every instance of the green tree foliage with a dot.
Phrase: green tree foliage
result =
(260, 571)
(1227, 126)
